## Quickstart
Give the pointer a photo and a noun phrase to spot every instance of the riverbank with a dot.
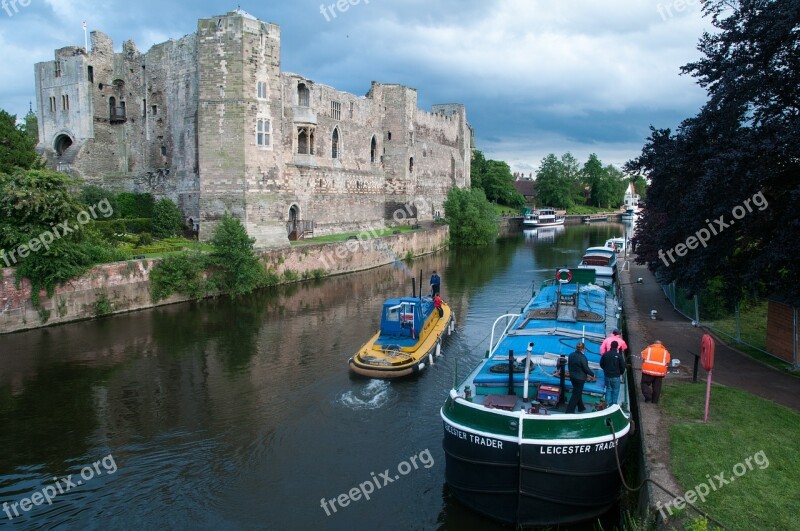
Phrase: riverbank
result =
(732, 369)
(125, 286)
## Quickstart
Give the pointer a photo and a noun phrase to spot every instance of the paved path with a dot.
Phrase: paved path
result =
(731, 367)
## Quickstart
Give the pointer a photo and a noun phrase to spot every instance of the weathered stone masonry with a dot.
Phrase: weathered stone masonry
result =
(212, 122)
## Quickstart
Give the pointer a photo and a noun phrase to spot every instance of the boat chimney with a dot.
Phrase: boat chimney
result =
(413, 288)
(511, 372)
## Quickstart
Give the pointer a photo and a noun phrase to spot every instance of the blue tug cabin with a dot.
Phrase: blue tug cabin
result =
(404, 319)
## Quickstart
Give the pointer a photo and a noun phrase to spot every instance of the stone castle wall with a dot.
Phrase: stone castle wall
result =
(212, 122)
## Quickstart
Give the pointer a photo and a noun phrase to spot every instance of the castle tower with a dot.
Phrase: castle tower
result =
(239, 107)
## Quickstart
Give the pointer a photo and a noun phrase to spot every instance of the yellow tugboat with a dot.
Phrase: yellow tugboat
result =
(409, 339)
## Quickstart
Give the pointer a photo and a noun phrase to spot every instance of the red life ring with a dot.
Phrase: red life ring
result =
(560, 278)
(707, 352)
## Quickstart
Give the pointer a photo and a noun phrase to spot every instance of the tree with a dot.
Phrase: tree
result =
(639, 186)
(477, 169)
(237, 269)
(31, 127)
(17, 149)
(742, 148)
(553, 183)
(167, 218)
(471, 217)
(498, 184)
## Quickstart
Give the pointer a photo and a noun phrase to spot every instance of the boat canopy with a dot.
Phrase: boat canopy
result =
(405, 317)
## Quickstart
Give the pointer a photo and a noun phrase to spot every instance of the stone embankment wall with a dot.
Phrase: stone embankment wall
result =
(125, 286)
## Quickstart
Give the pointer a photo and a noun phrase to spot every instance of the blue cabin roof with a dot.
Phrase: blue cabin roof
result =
(555, 321)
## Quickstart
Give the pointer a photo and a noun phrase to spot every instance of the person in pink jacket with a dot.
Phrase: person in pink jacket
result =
(613, 337)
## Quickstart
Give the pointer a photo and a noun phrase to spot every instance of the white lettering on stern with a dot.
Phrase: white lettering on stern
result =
(577, 448)
(474, 439)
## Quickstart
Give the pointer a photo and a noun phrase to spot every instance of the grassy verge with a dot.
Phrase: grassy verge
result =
(583, 210)
(165, 247)
(503, 210)
(363, 234)
(741, 428)
(753, 330)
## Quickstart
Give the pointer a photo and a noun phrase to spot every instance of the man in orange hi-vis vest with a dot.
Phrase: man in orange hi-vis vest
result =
(655, 359)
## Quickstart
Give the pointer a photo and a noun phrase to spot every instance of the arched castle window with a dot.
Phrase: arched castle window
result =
(335, 143)
(373, 149)
(302, 95)
(261, 90)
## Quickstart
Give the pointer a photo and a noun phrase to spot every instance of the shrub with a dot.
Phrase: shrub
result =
(134, 205)
(145, 238)
(167, 218)
(237, 269)
(179, 273)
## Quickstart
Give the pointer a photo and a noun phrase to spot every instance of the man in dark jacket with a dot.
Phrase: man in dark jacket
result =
(613, 365)
(579, 371)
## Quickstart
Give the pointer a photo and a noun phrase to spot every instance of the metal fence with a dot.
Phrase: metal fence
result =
(743, 323)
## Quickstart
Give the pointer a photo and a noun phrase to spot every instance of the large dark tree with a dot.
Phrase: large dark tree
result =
(743, 148)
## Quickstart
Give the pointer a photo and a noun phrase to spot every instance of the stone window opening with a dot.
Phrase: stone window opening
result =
(336, 110)
(154, 110)
(262, 90)
(389, 136)
(58, 68)
(52, 104)
(305, 140)
(351, 110)
(411, 165)
(163, 151)
(90, 74)
(302, 95)
(263, 131)
(335, 143)
(373, 149)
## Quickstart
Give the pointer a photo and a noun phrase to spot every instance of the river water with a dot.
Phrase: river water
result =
(223, 414)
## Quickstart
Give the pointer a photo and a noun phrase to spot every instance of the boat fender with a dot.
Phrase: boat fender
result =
(430, 359)
(439, 348)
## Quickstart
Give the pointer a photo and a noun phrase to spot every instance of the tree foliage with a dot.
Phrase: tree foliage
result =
(167, 218)
(743, 145)
(40, 232)
(17, 148)
(553, 184)
(495, 179)
(237, 269)
(471, 217)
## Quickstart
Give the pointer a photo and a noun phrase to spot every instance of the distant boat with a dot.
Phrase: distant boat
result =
(595, 217)
(512, 452)
(604, 262)
(410, 336)
(617, 244)
(629, 214)
(544, 217)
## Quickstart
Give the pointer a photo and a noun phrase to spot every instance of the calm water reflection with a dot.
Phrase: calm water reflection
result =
(242, 414)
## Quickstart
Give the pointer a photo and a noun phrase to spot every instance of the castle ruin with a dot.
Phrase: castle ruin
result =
(211, 121)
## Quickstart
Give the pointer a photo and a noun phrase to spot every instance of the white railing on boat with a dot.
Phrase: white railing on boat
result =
(492, 346)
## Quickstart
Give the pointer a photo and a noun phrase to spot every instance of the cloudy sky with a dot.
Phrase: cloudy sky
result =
(537, 76)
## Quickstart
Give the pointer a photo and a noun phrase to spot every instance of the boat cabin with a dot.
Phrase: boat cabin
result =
(405, 317)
